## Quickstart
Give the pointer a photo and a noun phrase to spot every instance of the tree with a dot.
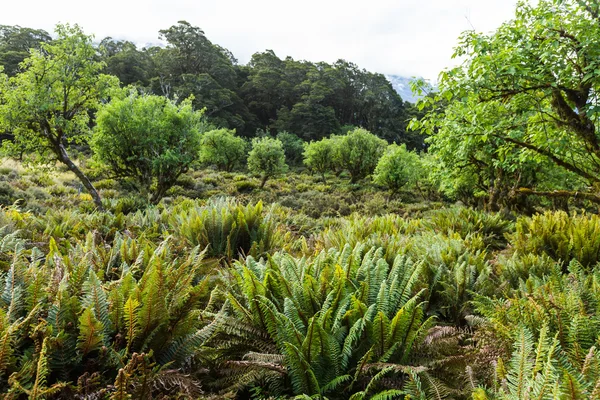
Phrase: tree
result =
(359, 152)
(222, 148)
(191, 65)
(312, 100)
(125, 61)
(293, 147)
(47, 106)
(16, 43)
(148, 138)
(528, 92)
(319, 155)
(267, 158)
(396, 168)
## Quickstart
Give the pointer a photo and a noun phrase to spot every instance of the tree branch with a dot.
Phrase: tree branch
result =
(560, 193)
(551, 156)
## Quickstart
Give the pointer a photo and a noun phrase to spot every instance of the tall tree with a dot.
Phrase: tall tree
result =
(190, 65)
(531, 88)
(313, 100)
(47, 106)
(125, 61)
(16, 43)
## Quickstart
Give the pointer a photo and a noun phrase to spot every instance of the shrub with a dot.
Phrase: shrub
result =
(389, 232)
(519, 268)
(42, 179)
(319, 156)
(106, 184)
(222, 148)
(396, 168)
(129, 204)
(186, 181)
(543, 366)
(267, 158)
(359, 152)
(317, 204)
(245, 186)
(148, 138)
(553, 322)
(4, 171)
(7, 194)
(38, 193)
(59, 191)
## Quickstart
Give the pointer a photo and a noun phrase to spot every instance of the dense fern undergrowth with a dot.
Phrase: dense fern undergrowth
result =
(253, 297)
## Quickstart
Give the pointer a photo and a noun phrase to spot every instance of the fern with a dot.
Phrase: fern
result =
(130, 312)
(91, 332)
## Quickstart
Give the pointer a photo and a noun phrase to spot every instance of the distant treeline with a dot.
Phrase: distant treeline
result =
(311, 100)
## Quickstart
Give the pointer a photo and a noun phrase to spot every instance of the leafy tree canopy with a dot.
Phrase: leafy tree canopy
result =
(359, 152)
(266, 158)
(148, 138)
(397, 167)
(319, 156)
(47, 105)
(222, 148)
(526, 94)
(293, 147)
(16, 43)
(308, 99)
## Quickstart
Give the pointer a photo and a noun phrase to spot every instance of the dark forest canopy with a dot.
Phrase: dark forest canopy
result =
(311, 100)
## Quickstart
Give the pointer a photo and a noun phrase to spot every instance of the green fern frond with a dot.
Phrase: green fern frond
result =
(95, 299)
(91, 332)
(130, 313)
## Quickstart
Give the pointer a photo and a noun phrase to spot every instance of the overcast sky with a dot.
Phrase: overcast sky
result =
(402, 37)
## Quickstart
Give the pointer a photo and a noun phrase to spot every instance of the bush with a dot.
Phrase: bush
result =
(396, 168)
(7, 194)
(129, 204)
(148, 138)
(320, 320)
(120, 315)
(106, 184)
(388, 232)
(42, 179)
(186, 181)
(359, 152)
(38, 193)
(223, 149)
(245, 186)
(319, 156)
(267, 158)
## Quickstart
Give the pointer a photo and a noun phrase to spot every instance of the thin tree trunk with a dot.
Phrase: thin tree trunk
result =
(158, 194)
(264, 180)
(64, 157)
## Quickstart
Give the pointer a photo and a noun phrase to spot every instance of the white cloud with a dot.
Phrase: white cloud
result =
(404, 37)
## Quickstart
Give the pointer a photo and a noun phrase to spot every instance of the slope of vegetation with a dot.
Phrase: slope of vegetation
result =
(216, 297)
(174, 225)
